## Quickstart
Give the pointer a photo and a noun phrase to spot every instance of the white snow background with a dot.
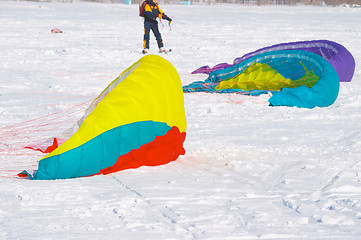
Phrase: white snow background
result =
(250, 171)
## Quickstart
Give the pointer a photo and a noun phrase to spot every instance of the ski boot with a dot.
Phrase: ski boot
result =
(145, 51)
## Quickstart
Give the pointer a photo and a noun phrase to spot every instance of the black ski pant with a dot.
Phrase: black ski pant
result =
(154, 27)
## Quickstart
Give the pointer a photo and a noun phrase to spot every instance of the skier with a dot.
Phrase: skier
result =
(150, 11)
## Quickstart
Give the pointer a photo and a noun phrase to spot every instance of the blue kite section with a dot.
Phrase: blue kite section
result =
(107, 147)
(290, 64)
(322, 94)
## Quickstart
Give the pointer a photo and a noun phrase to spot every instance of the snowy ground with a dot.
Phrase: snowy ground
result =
(250, 171)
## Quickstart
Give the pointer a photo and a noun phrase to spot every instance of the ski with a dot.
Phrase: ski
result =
(147, 52)
(166, 51)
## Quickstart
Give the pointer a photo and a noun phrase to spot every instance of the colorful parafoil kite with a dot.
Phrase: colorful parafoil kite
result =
(139, 119)
(303, 74)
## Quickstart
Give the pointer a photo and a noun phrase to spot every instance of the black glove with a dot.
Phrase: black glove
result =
(167, 18)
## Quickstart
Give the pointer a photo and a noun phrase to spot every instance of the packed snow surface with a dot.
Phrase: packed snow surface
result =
(250, 171)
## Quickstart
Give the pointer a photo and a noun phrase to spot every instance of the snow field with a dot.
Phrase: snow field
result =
(250, 171)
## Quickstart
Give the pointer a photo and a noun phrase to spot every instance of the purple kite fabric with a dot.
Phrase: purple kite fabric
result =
(336, 54)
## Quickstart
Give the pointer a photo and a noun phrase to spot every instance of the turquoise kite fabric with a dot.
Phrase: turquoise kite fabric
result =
(304, 79)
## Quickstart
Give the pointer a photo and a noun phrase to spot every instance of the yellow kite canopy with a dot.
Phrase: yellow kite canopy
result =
(261, 76)
(137, 120)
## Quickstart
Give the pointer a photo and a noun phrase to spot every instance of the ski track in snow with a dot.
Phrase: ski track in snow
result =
(250, 171)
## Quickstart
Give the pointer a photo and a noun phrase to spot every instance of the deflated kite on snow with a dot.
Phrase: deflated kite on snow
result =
(302, 74)
(336, 54)
(137, 120)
